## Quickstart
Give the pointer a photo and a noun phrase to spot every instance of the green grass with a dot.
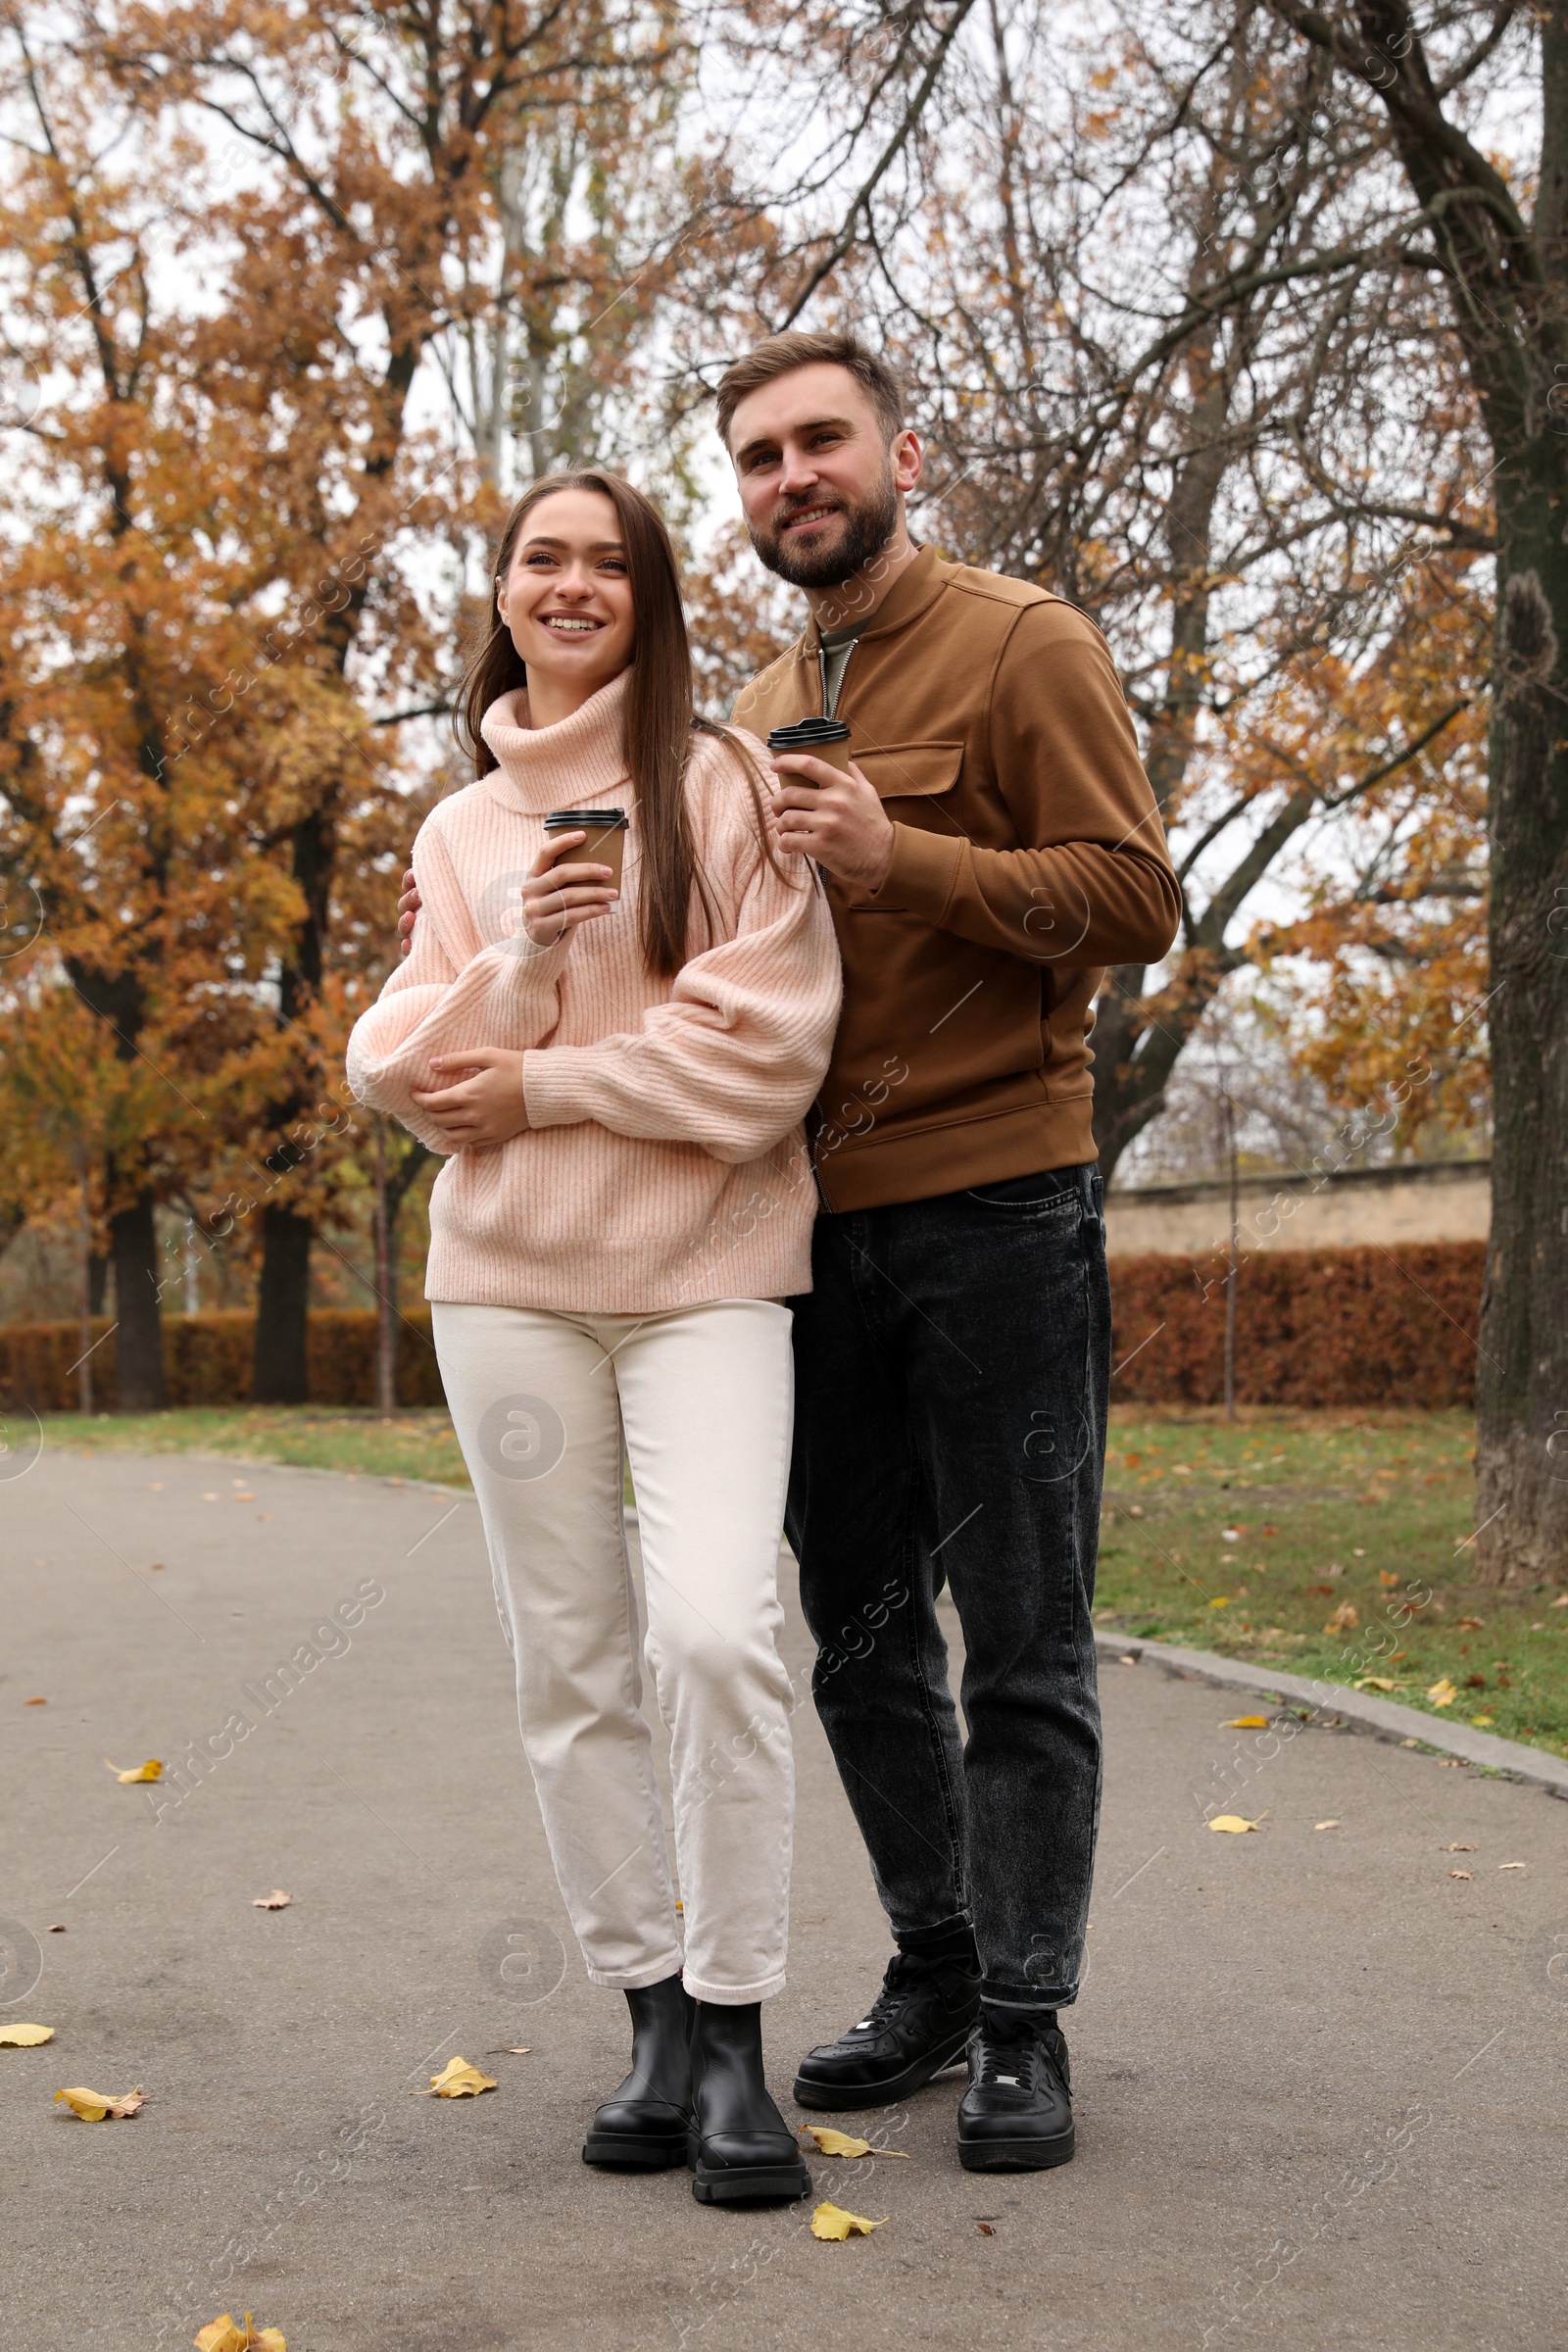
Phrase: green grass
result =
(414, 1443)
(1333, 1511)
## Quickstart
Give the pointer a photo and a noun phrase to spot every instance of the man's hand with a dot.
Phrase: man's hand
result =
(834, 819)
(480, 1108)
(407, 908)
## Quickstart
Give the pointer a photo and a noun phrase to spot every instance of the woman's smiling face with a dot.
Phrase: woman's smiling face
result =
(567, 596)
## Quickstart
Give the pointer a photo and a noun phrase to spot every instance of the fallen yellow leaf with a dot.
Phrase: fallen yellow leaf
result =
(1325, 1825)
(152, 1770)
(516, 2049)
(458, 2079)
(1221, 1600)
(1481, 1720)
(1230, 1820)
(1461, 1874)
(278, 1900)
(1245, 1723)
(1456, 1850)
(1442, 1693)
(843, 2143)
(226, 2334)
(1377, 1682)
(28, 2038)
(1514, 1866)
(1344, 1618)
(93, 2105)
(832, 2221)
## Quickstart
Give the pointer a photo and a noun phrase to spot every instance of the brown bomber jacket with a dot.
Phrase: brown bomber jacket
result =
(1028, 856)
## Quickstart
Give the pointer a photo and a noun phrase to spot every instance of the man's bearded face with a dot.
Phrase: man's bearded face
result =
(824, 537)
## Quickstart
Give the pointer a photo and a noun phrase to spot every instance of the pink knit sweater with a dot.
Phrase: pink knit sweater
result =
(663, 1163)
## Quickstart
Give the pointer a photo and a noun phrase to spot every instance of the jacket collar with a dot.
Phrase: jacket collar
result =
(908, 597)
(579, 763)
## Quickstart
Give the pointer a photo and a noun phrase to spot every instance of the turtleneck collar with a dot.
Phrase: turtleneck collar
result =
(580, 763)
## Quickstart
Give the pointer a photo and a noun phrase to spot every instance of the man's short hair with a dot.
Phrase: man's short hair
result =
(781, 355)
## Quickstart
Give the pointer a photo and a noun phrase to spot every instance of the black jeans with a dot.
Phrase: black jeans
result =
(952, 1368)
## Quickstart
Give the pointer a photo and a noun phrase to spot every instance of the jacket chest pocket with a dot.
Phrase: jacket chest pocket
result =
(908, 771)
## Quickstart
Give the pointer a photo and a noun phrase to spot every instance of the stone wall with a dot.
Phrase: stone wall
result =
(1430, 1201)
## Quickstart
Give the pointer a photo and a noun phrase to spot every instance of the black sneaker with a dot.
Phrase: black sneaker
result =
(1016, 2115)
(917, 2027)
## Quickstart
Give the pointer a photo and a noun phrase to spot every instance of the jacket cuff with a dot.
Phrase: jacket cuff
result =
(548, 1092)
(922, 875)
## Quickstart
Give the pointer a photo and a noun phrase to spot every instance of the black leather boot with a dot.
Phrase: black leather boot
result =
(918, 2026)
(1016, 2115)
(645, 2123)
(742, 2150)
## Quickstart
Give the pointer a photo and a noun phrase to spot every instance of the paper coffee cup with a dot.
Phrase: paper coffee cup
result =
(605, 843)
(823, 738)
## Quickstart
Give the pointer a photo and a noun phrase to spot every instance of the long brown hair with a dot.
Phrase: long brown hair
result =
(660, 721)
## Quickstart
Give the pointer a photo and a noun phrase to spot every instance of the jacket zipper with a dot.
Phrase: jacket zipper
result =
(822, 656)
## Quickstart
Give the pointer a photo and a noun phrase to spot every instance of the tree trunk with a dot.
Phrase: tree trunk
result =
(97, 1284)
(1522, 1388)
(1133, 1057)
(278, 1373)
(386, 1327)
(85, 1332)
(140, 1335)
(1522, 1382)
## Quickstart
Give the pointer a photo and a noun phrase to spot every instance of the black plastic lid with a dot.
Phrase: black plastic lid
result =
(805, 732)
(568, 820)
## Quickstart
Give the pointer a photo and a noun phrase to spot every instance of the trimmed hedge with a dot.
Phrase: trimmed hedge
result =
(206, 1360)
(1334, 1327)
(1328, 1327)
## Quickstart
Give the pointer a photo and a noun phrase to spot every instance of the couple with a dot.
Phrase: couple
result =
(630, 1249)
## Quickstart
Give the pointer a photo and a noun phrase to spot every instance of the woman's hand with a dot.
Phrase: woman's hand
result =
(483, 1107)
(555, 898)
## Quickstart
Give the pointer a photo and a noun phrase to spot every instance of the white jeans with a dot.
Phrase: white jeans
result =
(704, 1399)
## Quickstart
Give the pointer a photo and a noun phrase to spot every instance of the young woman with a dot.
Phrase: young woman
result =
(617, 1079)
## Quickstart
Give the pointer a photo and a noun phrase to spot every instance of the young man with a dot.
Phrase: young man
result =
(992, 847)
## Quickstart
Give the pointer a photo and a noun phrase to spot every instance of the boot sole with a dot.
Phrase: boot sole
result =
(1015, 2155)
(825, 2098)
(780, 2184)
(613, 2154)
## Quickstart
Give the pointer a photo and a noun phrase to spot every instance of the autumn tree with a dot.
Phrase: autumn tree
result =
(1236, 328)
(220, 665)
(1494, 251)
(146, 908)
(376, 141)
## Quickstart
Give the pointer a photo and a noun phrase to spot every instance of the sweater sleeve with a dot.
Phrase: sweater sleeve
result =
(452, 991)
(1093, 883)
(735, 1055)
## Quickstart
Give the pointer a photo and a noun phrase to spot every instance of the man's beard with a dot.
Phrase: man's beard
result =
(870, 526)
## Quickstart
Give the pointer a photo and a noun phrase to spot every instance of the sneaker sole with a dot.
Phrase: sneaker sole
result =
(825, 2098)
(1015, 2155)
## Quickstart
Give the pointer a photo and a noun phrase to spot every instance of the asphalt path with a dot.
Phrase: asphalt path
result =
(1319, 2077)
